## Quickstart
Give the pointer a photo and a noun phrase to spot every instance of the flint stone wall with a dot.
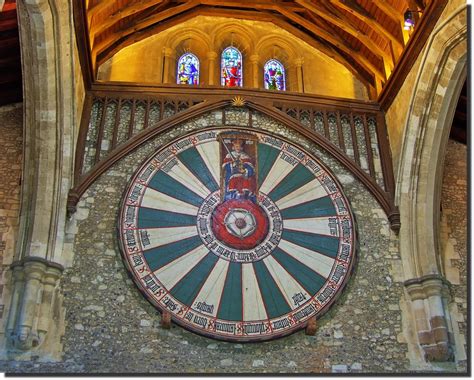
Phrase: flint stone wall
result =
(110, 327)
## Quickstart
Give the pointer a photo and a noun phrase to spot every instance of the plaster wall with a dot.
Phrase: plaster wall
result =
(258, 42)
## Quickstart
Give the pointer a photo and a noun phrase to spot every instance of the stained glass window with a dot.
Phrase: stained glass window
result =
(231, 67)
(188, 69)
(274, 75)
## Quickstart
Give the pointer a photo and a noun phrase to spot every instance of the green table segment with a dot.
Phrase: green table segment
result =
(239, 235)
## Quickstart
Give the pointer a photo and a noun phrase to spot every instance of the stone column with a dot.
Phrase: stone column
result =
(427, 294)
(29, 319)
(52, 95)
(211, 59)
(50, 281)
(255, 74)
(18, 277)
(167, 54)
(299, 74)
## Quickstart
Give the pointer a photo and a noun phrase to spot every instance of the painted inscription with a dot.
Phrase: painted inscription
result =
(239, 235)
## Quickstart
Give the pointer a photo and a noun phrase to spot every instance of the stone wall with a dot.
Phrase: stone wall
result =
(453, 239)
(11, 139)
(258, 41)
(110, 327)
(397, 115)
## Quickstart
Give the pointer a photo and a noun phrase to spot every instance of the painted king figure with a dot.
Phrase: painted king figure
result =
(239, 169)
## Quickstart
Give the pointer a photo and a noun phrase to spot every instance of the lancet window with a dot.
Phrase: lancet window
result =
(274, 75)
(231, 67)
(188, 69)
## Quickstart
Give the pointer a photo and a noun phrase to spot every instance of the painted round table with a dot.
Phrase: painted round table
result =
(239, 235)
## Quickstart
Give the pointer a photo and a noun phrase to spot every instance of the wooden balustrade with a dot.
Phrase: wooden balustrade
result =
(117, 119)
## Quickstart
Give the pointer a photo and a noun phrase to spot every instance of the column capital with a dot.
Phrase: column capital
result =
(298, 62)
(415, 291)
(168, 52)
(254, 58)
(211, 55)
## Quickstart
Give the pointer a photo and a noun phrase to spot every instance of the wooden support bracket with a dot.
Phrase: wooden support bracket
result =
(311, 327)
(166, 320)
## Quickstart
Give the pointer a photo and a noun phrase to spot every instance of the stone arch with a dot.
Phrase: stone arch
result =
(51, 87)
(189, 40)
(264, 49)
(432, 108)
(203, 40)
(233, 33)
(439, 81)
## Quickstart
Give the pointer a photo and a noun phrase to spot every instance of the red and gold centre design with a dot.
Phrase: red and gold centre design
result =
(240, 235)
(239, 230)
(239, 224)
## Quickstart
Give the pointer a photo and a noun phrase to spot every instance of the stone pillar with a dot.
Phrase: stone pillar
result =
(167, 54)
(255, 74)
(427, 294)
(299, 74)
(211, 59)
(30, 319)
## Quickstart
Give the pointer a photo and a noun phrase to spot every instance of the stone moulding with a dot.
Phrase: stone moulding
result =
(429, 295)
(34, 302)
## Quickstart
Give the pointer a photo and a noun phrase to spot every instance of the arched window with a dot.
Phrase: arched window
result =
(188, 69)
(231, 67)
(274, 75)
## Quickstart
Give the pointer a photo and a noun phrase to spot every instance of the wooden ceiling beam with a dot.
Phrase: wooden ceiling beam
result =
(365, 77)
(111, 46)
(267, 5)
(369, 20)
(97, 8)
(390, 11)
(320, 32)
(141, 24)
(348, 28)
(119, 15)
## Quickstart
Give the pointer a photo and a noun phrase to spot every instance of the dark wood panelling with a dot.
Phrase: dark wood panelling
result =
(10, 58)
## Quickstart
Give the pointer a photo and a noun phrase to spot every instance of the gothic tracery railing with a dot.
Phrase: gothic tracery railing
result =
(117, 120)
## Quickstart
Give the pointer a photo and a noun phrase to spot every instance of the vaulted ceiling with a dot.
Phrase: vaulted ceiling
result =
(366, 36)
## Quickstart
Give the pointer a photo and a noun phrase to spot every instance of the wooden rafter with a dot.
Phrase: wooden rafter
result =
(347, 58)
(369, 19)
(337, 42)
(348, 31)
(119, 15)
(262, 4)
(390, 11)
(342, 24)
(96, 9)
(141, 24)
(278, 20)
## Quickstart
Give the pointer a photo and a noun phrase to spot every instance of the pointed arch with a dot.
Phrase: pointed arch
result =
(274, 75)
(187, 71)
(231, 67)
(441, 74)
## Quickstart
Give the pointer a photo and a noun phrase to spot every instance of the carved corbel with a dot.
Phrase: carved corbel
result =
(34, 282)
(429, 298)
